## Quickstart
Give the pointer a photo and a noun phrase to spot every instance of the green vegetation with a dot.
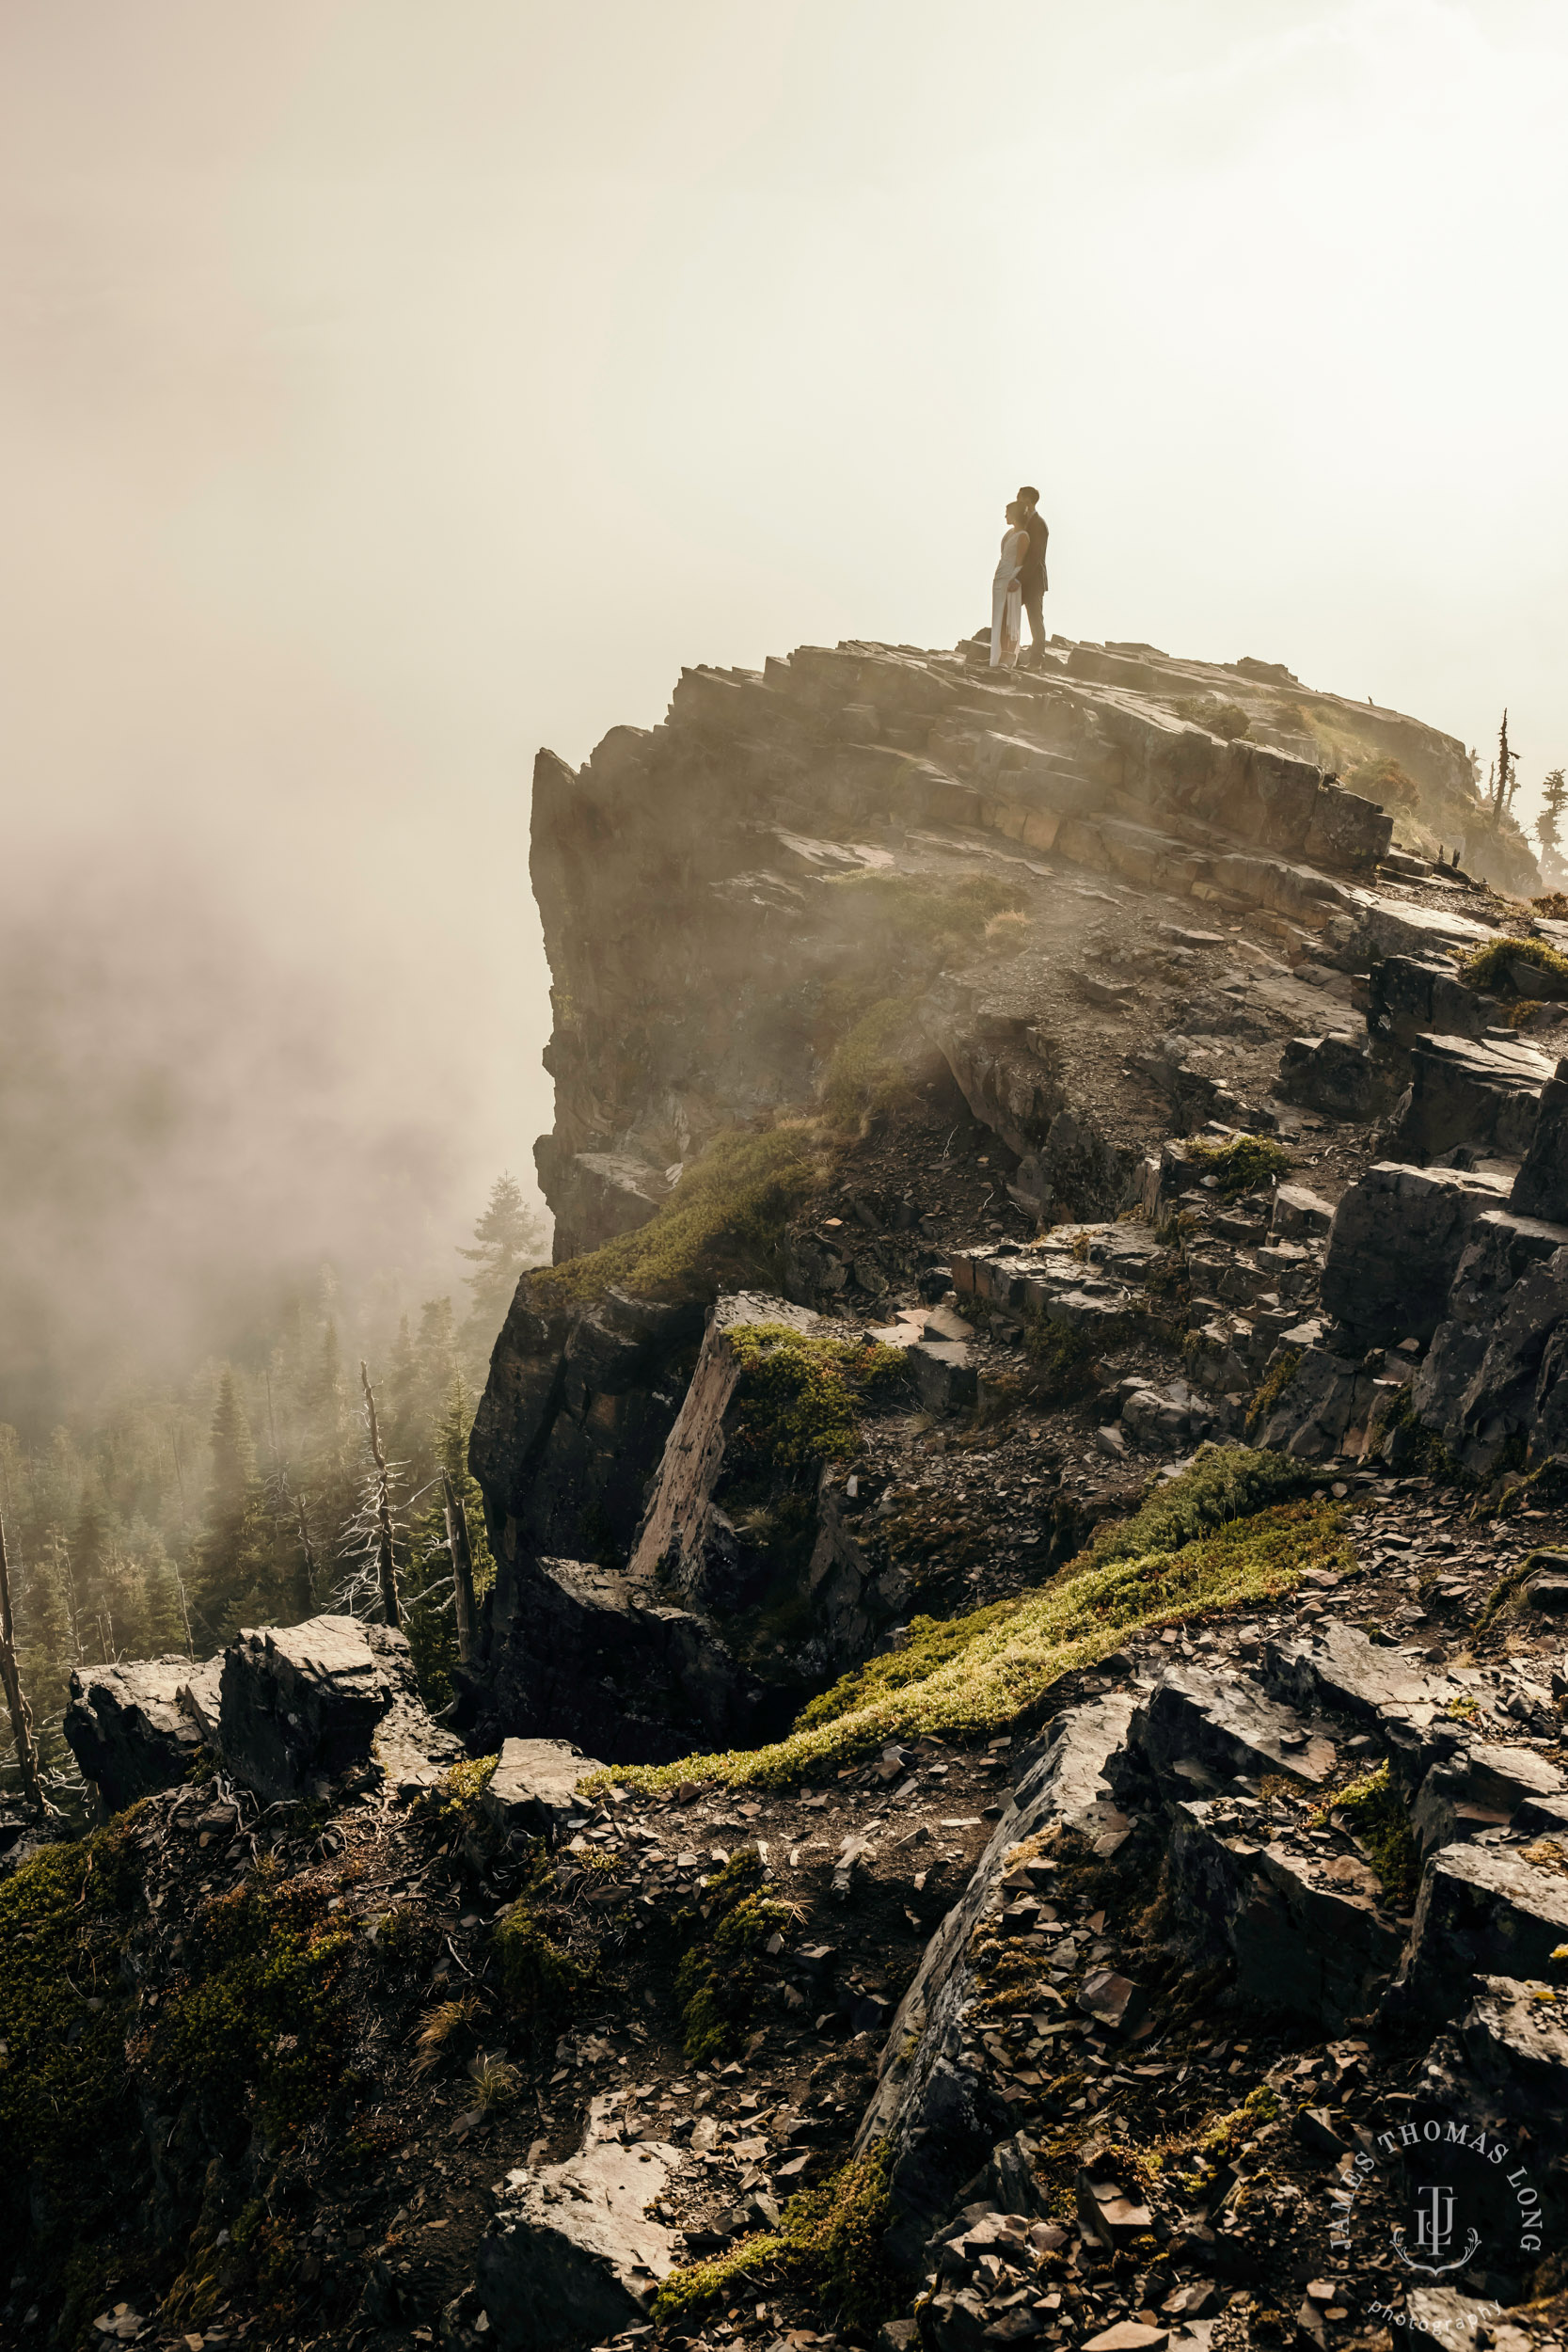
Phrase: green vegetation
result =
(1507, 1597)
(453, 1804)
(1488, 967)
(720, 1226)
(173, 1516)
(64, 1916)
(1272, 1387)
(927, 917)
(1243, 1164)
(1063, 1358)
(1221, 1485)
(1382, 1825)
(829, 2242)
(866, 1074)
(540, 1980)
(1218, 1536)
(262, 2011)
(1383, 780)
(718, 1980)
(799, 1400)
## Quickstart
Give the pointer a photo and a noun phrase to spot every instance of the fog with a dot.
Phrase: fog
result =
(385, 389)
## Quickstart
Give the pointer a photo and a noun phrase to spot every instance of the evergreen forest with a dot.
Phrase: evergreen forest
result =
(250, 1494)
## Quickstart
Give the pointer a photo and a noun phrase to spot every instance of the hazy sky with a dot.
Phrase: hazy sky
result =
(386, 389)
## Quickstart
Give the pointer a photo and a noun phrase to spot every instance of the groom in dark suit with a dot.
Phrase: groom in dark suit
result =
(1032, 579)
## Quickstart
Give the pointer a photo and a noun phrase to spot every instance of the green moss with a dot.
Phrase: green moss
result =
(1488, 967)
(967, 1675)
(799, 1400)
(1221, 1485)
(1243, 1164)
(1545, 1488)
(717, 1982)
(830, 2243)
(454, 1803)
(1271, 1389)
(865, 1073)
(263, 2010)
(1507, 1597)
(540, 1980)
(1063, 1358)
(1383, 1826)
(64, 1916)
(721, 1224)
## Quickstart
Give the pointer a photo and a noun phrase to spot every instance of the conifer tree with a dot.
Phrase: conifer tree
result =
(232, 1552)
(509, 1236)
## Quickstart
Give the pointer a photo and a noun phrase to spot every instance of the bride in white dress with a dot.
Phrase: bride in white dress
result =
(1007, 596)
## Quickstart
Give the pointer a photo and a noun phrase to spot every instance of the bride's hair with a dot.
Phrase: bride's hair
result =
(1015, 511)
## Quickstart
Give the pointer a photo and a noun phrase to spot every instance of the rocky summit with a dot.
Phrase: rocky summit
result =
(1009, 1786)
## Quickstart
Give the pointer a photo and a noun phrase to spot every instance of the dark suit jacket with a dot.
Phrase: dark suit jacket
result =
(1033, 572)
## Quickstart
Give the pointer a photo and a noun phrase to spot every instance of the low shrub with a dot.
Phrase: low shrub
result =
(866, 1074)
(1488, 967)
(1243, 1163)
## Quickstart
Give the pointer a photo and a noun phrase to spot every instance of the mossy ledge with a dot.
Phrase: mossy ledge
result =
(721, 1227)
(1235, 1528)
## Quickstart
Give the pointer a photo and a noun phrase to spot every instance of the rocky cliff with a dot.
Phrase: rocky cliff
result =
(1013, 1783)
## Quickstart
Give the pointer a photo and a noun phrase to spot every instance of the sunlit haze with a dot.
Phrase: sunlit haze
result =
(388, 388)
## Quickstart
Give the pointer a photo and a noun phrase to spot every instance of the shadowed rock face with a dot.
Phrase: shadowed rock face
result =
(129, 1728)
(288, 1710)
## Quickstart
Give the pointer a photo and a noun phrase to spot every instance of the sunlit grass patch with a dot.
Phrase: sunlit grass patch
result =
(1201, 1544)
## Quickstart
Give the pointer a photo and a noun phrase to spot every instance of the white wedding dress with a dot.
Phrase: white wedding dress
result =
(1007, 600)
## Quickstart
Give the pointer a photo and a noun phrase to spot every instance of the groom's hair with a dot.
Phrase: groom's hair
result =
(1027, 493)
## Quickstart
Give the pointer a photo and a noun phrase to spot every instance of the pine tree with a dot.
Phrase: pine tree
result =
(429, 1613)
(510, 1236)
(1549, 825)
(232, 1550)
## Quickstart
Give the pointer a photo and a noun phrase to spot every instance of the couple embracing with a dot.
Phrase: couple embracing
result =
(1019, 583)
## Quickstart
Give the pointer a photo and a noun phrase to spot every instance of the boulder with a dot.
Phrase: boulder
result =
(1541, 1187)
(931, 2105)
(1227, 1727)
(1395, 1244)
(128, 1729)
(574, 1651)
(1339, 1672)
(1412, 995)
(1309, 1933)
(1338, 1074)
(301, 1703)
(1299, 1215)
(1480, 1092)
(571, 2257)
(533, 1789)
(1491, 1378)
(1482, 1910)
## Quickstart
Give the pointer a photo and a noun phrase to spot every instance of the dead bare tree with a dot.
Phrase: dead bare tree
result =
(462, 1551)
(16, 1697)
(1502, 780)
(381, 1503)
(308, 1554)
